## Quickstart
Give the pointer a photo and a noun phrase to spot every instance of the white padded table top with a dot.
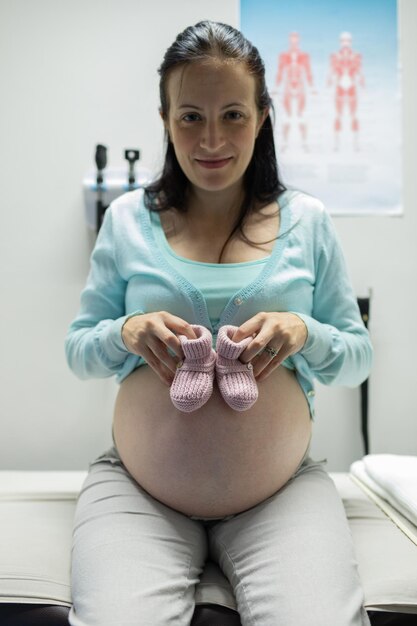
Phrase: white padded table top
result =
(387, 559)
(36, 517)
(40, 485)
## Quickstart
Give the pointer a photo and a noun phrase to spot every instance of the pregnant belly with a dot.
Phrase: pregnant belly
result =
(214, 461)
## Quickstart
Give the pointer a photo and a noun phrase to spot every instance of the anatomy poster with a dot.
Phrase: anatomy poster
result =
(332, 69)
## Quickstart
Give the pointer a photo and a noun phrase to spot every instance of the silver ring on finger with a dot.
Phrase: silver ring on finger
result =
(271, 351)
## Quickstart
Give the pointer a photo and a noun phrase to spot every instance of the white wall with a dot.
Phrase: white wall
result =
(74, 74)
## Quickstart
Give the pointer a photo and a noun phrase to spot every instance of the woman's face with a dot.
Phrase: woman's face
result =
(213, 122)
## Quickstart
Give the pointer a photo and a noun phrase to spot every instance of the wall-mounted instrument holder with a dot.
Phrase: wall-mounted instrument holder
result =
(104, 184)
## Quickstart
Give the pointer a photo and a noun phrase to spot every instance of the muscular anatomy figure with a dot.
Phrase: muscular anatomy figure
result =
(345, 74)
(293, 72)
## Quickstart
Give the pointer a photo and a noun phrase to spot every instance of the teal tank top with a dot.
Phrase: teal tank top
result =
(217, 282)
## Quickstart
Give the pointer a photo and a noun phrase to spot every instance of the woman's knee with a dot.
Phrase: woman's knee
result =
(292, 556)
(132, 555)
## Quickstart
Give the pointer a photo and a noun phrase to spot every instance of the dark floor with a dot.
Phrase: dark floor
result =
(205, 615)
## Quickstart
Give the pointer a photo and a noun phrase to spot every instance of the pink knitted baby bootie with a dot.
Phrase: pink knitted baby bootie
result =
(193, 381)
(235, 379)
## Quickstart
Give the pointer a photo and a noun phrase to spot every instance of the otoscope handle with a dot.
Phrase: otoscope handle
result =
(132, 156)
(101, 161)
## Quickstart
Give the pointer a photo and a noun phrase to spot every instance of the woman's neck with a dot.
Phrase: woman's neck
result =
(215, 208)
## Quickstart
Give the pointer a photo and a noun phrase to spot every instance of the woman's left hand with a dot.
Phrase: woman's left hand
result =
(285, 333)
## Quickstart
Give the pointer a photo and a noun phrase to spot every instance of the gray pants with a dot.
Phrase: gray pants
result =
(135, 561)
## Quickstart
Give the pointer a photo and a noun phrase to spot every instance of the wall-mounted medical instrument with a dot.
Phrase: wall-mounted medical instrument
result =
(364, 307)
(103, 184)
(101, 162)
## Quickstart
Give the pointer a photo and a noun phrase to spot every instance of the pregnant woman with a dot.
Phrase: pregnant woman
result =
(215, 296)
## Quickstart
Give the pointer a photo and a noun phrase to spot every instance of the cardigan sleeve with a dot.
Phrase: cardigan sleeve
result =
(93, 346)
(338, 349)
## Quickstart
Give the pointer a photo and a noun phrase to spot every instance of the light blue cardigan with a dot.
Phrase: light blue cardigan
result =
(306, 274)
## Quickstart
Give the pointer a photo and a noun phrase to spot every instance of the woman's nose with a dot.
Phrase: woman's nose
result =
(212, 137)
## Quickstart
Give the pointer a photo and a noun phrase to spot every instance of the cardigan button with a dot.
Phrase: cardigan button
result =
(238, 301)
(311, 393)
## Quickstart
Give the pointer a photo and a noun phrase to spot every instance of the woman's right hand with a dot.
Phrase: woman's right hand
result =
(150, 334)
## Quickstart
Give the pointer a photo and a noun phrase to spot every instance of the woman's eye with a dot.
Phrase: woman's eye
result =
(234, 115)
(191, 117)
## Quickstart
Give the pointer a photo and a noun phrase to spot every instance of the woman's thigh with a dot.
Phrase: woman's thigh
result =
(134, 559)
(290, 559)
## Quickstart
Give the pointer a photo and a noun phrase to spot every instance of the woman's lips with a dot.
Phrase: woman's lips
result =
(213, 164)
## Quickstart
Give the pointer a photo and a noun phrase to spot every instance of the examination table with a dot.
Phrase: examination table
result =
(36, 516)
